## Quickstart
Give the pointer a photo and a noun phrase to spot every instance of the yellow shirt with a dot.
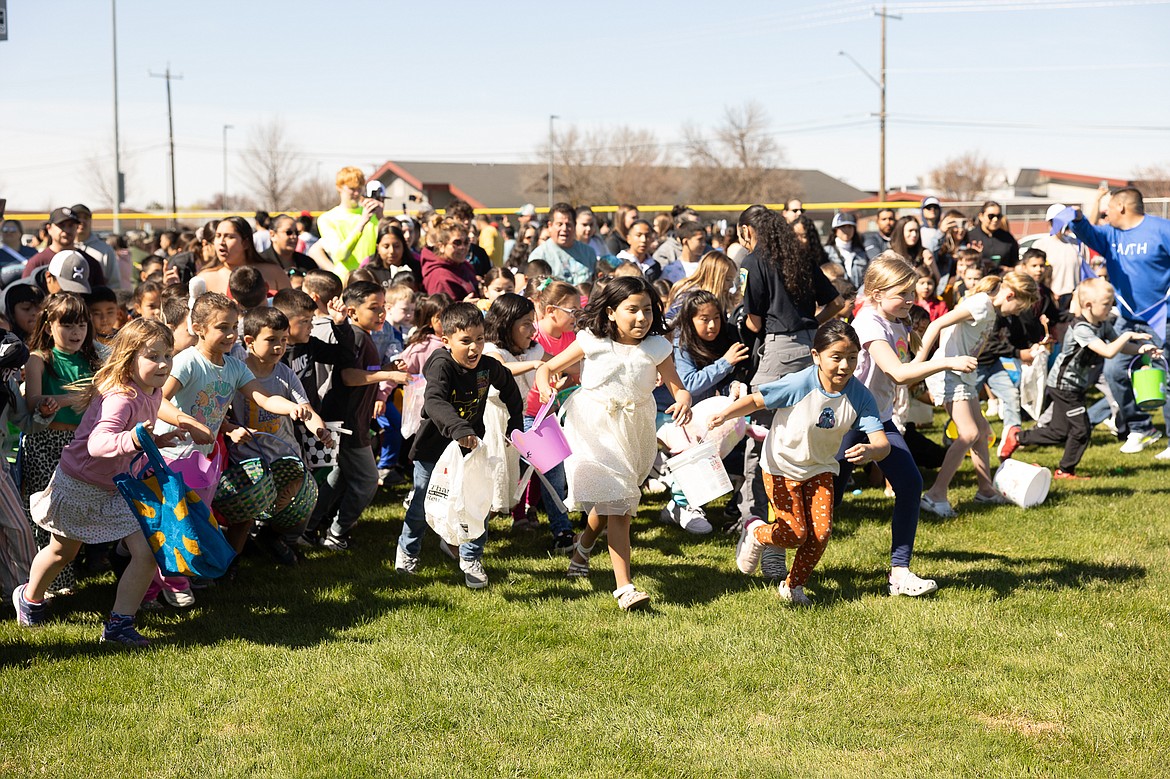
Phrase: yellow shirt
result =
(489, 241)
(338, 227)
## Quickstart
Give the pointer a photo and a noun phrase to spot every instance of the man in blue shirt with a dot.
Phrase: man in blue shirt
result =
(1136, 248)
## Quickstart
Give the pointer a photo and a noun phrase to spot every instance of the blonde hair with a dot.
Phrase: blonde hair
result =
(442, 232)
(890, 271)
(1087, 289)
(116, 375)
(1021, 284)
(350, 176)
(715, 273)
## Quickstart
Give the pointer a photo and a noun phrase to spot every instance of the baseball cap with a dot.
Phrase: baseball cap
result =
(375, 189)
(931, 201)
(62, 215)
(82, 208)
(71, 271)
(405, 219)
(1053, 210)
(527, 210)
(842, 218)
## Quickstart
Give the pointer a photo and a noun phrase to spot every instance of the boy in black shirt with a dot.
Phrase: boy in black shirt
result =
(352, 482)
(458, 380)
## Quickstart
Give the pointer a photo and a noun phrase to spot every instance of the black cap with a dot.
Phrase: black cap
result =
(62, 215)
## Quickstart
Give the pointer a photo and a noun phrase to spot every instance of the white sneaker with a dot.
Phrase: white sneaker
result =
(474, 576)
(748, 549)
(694, 520)
(181, 599)
(1135, 442)
(1163, 455)
(794, 595)
(911, 584)
(992, 408)
(404, 563)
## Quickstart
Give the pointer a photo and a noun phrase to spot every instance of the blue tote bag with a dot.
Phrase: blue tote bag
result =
(184, 536)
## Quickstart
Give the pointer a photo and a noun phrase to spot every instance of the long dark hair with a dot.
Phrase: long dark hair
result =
(595, 319)
(898, 241)
(426, 308)
(816, 252)
(703, 353)
(776, 241)
(504, 312)
(68, 309)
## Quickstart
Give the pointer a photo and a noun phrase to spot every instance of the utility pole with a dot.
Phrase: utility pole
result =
(118, 183)
(881, 85)
(550, 159)
(171, 133)
(223, 203)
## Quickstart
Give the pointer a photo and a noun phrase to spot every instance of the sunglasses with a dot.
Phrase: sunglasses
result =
(993, 216)
(460, 242)
(797, 210)
(573, 312)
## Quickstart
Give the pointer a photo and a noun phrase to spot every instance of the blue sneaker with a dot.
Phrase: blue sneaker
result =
(119, 629)
(31, 615)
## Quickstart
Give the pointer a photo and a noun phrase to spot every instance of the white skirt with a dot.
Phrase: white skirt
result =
(82, 511)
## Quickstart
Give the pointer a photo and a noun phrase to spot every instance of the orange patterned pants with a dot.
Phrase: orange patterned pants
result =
(804, 520)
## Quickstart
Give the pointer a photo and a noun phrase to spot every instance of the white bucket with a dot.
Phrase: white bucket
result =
(700, 473)
(1023, 484)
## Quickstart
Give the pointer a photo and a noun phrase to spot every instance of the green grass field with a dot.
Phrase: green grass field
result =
(1044, 653)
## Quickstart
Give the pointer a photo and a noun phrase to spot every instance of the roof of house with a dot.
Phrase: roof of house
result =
(499, 185)
(1031, 177)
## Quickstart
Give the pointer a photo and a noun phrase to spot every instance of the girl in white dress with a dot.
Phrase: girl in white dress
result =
(609, 422)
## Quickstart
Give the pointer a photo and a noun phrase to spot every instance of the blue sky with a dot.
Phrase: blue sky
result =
(1067, 84)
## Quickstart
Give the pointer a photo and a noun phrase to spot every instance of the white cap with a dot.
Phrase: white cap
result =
(1053, 210)
(374, 188)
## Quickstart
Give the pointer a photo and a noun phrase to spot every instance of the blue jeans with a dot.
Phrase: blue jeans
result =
(390, 423)
(1130, 419)
(558, 520)
(1001, 385)
(415, 524)
(902, 472)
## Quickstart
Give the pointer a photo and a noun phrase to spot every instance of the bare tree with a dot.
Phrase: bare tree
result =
(603, 166)
(964, 177)
(314, 194)
(274, 165)
(99, 174)
(1153, 180)
(737, 161)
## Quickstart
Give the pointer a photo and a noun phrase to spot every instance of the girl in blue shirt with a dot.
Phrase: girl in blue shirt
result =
(815, 408)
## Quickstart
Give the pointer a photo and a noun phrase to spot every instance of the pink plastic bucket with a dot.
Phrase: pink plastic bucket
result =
(544, 446)
(199, 472)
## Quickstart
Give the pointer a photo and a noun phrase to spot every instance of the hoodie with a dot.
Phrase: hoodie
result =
(456, 280)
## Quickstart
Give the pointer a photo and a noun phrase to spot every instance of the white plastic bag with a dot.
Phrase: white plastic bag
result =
(1033, 378)
(504, 478)
(459, 494)
(412, 405)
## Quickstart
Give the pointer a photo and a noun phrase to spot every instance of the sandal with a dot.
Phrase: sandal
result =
(912, 585)
(579, 570)
(630, 598)
(998, 499)
(940, 508)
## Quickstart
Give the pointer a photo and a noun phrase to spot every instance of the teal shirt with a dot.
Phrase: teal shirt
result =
(65, 370)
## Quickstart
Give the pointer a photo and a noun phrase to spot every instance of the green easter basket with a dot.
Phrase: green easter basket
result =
(246, 491)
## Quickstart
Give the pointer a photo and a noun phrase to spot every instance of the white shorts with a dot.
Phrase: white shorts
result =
(948, 386)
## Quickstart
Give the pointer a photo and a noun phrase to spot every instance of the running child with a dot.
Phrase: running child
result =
(963, 332)
(458, 380)
(80, 504)
(815, 409)
(1088, 343)
(509, 330)
(706, 354)
(206, 378)
(62, 355)
(888, 344)
(609, 422)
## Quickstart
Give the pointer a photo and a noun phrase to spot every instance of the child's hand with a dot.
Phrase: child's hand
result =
(47, 407)
(861, 453)
(681, 410)
(468, 442)
(399, 365)
(239, 435)
(379, 407)
(962, 364)
(1149, 349)
(737, 390)
(736, 353)
(323, 434)
(1136, 336)
(302, 413)
(400, 377)
(337, 311)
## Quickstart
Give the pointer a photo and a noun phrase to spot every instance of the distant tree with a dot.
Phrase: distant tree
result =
(1153, 180)
(313, 194)
(603, 166)
(736, 162)
(964, 177)
(274, 166)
